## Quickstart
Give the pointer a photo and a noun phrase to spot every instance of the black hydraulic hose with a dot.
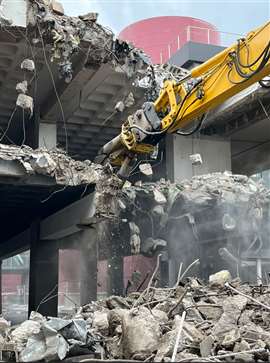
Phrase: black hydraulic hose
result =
(196, 128)
(255, 61)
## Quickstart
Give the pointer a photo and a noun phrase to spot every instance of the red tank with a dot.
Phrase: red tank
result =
(162, 36)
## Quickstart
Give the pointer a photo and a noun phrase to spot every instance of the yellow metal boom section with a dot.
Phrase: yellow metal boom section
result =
(219, 79)
(181, 103)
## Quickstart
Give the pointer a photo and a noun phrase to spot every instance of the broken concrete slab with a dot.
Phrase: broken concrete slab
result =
(141, 334)
(57, 7)
(232, 309)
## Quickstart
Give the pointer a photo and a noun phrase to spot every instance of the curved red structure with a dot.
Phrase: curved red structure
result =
(162, 36)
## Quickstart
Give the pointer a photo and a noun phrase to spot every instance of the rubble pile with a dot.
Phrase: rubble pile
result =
(67, 35)
(54, 163)
(205, 207)
(220, 321)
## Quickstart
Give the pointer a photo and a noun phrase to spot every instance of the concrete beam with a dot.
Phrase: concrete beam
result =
(59, 225)
(13, 172)
(15, 245)
(68, 220)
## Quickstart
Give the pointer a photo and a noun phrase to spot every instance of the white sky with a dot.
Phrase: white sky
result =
(238, 16)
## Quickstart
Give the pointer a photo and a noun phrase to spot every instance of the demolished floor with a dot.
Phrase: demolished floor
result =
(225, 320)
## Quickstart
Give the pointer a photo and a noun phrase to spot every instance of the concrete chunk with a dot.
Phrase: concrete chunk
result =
(57, 7)
(218, 279)
(141, 334)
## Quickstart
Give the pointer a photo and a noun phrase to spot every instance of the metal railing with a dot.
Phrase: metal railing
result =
(191, 33)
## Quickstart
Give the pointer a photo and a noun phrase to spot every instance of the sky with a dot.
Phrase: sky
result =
(231, 16)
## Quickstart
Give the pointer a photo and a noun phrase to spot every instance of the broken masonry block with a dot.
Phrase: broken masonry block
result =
(195, 159)
(25, 102)
(218, 279)
(129, 100)
(57, 7)
(28, 65)
(146, 169)
(89, 17)
(22, 87)
(120, 106)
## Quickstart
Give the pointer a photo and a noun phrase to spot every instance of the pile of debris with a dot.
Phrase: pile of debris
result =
(206, 208)
(67, 35)
(222, 320)
(54, 163)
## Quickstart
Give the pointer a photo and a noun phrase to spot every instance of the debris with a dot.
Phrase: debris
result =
(181, 323)
(89, 17)
(28, 65)
(220, 278)
(100, 322)
(25, 102)
(151, 246)
(67, 35)
(4, 326)
(57, 7)
(217, 208)
(120, 106)
(196, 159)
(146, 169)
(42, 163)
(206, 346)
(141, 327)
(248, 297)
(135, 241)
(21, 334)
(232, 309)
(141, 334)
(159, 197)
(21, 87)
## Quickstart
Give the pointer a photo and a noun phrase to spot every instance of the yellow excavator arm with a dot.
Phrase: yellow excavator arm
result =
(181, 103)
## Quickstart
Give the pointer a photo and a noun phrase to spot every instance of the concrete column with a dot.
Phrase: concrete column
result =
(0, 287)
(115, 268)
(32, 129)
(88, 247)
(47, 135)
(216, 156)
(43, 275)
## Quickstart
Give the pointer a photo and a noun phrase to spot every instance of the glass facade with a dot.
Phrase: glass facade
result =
(15, 284)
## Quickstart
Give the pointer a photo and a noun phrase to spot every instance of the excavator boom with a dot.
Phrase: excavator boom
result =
(182, 103)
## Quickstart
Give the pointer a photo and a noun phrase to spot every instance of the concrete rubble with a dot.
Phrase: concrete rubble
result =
(217, 206)
(143, 326)
(63, 37)
(67, 35)
(66, 172)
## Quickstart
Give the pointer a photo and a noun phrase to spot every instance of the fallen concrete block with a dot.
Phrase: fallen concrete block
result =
(141, 334)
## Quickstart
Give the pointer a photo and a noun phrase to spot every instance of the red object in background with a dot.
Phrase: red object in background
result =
(10, 282)
(144, 265)
(162, 36)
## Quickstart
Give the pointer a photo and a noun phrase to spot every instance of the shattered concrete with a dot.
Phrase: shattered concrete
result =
(66, 35)
(135, 328)
(230, 210)
(54, 163)
(67, 172)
